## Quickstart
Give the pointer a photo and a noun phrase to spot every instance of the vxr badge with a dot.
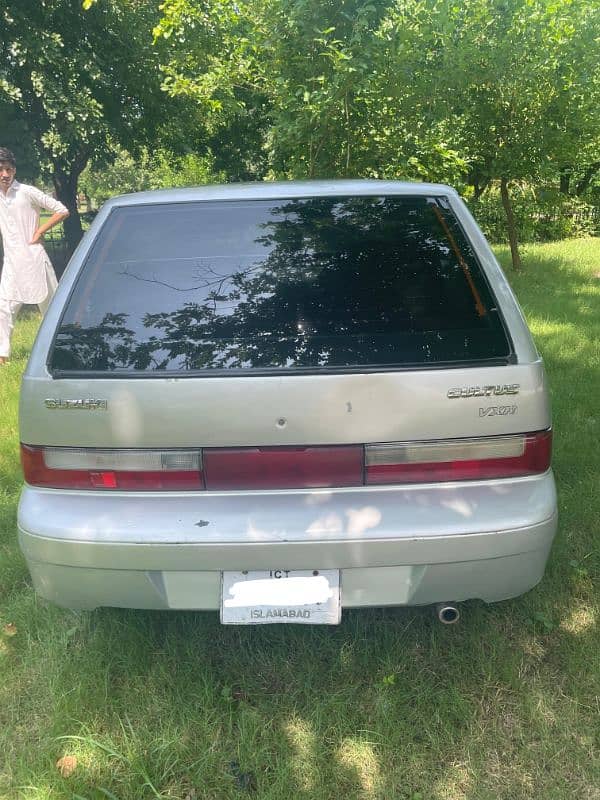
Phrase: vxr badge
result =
(498, 411)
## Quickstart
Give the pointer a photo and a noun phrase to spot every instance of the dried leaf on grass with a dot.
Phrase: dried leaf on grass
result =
(66, 765)
(10, 629)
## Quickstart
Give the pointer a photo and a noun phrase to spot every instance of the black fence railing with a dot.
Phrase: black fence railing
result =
(58, 249)
(584, 215)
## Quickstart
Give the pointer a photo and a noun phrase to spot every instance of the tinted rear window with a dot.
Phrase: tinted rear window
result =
(304, 284)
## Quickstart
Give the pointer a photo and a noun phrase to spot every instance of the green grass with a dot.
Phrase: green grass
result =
(388, 705)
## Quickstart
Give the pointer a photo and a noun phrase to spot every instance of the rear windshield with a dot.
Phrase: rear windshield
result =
(305, 284)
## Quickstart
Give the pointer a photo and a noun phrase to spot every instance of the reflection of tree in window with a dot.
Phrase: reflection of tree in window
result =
(108, 346)
(340, 282)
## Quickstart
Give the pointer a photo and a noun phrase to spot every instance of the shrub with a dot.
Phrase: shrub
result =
(544, 216)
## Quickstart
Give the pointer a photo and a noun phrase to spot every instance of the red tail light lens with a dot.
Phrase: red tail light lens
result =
(283, 467)
(287, 467)
(459, 459)
(134, 470)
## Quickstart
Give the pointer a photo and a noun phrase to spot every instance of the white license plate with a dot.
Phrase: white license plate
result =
(263, 597)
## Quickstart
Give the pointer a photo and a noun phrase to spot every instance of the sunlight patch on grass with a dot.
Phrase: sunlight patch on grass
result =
(580, 620)
(506, 774)
(547, 327)
(303, 741)
(456, 784)
(358, 758)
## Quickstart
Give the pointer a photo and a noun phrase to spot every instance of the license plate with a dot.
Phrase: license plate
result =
(263, 597)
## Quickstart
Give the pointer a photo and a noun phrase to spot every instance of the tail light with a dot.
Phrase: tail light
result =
(283, 467)
(87, 468)
(458, 459)
(288, 467)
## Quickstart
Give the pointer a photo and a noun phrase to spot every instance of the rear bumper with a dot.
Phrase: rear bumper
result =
(394, 546)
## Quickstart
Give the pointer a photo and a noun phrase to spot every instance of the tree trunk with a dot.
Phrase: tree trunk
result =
(510, 221)
(347, 115)
(587, 178)
(479, 184)
(565, 180)
(66, 191)
(477, 190)
(65, 179)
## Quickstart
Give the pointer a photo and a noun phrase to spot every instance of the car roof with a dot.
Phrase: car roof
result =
(275, 190)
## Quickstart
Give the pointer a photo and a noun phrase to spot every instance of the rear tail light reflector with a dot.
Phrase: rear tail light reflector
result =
(283, 467)
(458, 459)
(89, 468)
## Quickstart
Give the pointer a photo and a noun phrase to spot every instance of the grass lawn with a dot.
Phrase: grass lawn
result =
(390, 704)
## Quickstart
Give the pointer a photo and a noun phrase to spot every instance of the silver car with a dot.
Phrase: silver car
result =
(280, 400)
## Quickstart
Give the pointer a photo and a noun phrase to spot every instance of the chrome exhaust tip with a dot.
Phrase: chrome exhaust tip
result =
(447, 613)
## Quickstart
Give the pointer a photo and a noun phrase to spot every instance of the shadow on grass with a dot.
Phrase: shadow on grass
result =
(390, 704)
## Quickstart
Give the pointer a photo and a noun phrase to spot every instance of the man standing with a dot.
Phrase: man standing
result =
(27, 274)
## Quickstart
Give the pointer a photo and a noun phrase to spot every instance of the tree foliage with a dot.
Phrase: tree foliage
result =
(481, 93)
(473, 93)
(156, 169)
(77, 82)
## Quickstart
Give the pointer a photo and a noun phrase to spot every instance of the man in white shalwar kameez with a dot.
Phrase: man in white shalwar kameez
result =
(27, 273)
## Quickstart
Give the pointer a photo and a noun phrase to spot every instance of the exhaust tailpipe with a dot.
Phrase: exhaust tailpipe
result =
(447, 613)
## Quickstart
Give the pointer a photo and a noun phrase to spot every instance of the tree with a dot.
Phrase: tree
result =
(319, 74)
(479, 92)
(80, 81)
(158, 169)
(520, 81)
(574, 136)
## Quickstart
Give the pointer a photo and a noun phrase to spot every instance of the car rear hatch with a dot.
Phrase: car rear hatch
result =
(312, 342)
